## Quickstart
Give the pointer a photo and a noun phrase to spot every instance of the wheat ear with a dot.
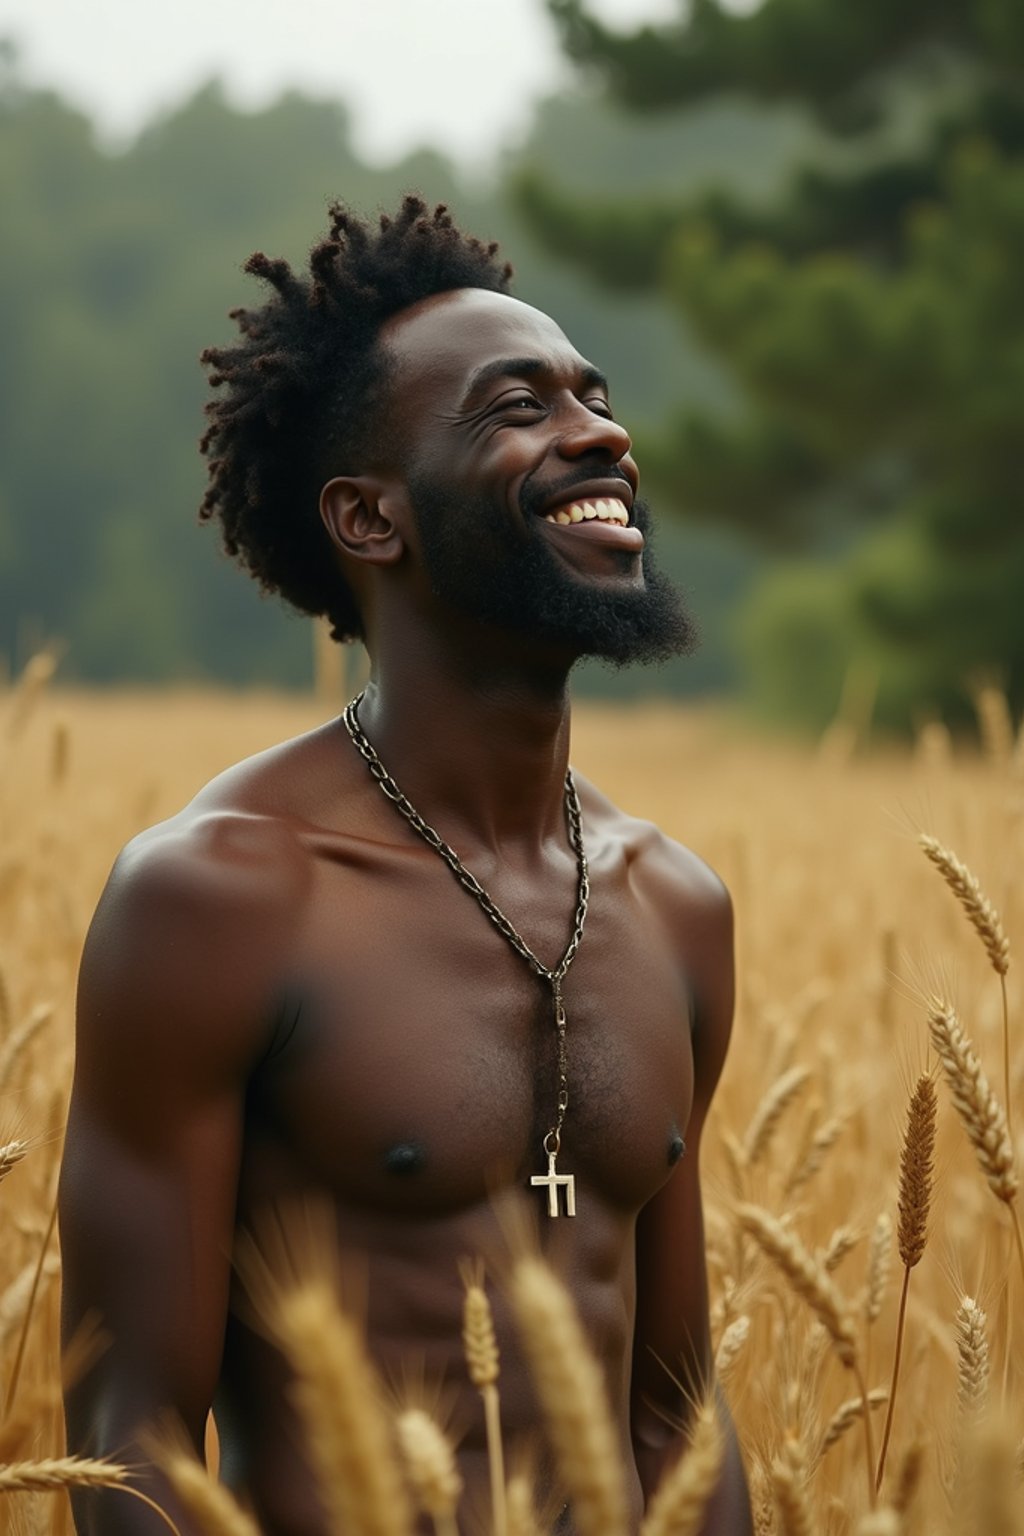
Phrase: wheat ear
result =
(805, 1274)
(682, 1496)
(338, 1399)
(980, 912)
(573, 1399)
(731, 1344)
(207, 1501)
(973, 1361)
(880, 1522)
(980, 1111)
(810, 1280)
(916, 1176)
(987, 924)
(482, 1362)
(789, 1485)
(56, 1474)
(908, 1478)
(430, 1467)
(766, 1117)
(522, 1515)
(11, 1154)
(847, 1414)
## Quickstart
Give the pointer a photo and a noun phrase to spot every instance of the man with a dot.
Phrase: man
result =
(289, 991)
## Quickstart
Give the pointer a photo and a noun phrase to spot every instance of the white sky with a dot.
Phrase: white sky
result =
(459, 74)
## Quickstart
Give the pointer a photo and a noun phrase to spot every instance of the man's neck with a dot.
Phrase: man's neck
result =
(480, 746)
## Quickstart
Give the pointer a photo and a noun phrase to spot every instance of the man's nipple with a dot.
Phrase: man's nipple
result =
(676, 1148)
(405, 1157)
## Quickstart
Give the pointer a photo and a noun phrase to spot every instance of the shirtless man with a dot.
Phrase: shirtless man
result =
(286, 991)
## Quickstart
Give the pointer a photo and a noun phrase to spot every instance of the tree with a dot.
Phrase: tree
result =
(871, 316)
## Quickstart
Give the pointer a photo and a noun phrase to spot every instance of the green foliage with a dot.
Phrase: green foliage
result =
(869, 317)
(118, 268)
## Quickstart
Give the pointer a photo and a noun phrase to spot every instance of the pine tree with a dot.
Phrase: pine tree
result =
(872, 317)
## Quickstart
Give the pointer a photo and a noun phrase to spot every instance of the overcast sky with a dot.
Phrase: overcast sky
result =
(460, 74)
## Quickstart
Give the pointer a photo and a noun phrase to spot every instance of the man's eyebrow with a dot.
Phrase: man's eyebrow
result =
(524, 368)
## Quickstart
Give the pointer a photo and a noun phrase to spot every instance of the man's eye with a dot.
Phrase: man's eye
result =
(516, 401)
(600, 406)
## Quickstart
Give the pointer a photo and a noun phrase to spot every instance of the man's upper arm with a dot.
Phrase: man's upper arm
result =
(174, 1009)
(672, 1299)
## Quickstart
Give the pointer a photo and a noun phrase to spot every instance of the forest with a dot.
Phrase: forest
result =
(792, 239)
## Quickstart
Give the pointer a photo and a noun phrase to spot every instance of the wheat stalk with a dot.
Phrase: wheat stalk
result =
(973, 1360)
(847, 1414)
(430, 1467)
(731, 1345)
(572, 1396)
(338, 1399)
(980, 1111)
(980, 912)
(813, 1156)
(880, 1522)
(50, 1472)
(811, 1281)
(11, 1154)
(681, 1498)
(482, 1361)
(19, 1040)
(806, 1275)
(987, 923)
(207, 1501)
(916, 1176)
(769, 1112)
(842, 1242)
(522, 1516)
(908, 1479)
(789, 1479)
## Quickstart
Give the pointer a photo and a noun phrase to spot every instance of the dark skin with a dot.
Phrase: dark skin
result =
(285, 993)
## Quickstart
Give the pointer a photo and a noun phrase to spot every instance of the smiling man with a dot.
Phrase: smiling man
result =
(296, 987)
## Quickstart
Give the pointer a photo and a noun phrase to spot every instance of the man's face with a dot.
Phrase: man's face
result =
(522, 483)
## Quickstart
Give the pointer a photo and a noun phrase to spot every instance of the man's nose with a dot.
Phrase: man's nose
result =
(587, 431)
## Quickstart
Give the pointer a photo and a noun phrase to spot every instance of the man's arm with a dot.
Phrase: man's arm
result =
(672, 1327)
(173, 1013)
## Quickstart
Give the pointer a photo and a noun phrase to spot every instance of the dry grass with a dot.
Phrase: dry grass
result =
(832, 899)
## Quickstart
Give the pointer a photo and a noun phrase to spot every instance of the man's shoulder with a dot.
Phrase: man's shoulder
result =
(194, 929)
(237, 844)
(673, 875)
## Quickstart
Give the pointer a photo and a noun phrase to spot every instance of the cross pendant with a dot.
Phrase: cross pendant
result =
(553, 1179)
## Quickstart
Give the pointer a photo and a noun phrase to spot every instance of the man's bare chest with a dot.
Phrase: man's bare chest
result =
(416, 1062)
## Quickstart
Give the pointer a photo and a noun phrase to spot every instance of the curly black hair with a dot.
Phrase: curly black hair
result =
(305, 386)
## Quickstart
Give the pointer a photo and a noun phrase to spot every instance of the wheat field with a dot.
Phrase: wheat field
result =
(879, 917)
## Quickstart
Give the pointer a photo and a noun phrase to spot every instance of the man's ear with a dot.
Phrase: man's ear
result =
(359, 513)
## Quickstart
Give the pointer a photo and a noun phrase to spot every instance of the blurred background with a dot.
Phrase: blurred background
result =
(792, 233)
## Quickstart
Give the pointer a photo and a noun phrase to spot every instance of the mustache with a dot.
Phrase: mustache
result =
(532, 498)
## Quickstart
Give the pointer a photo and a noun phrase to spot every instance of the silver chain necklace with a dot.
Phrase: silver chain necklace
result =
(552, 1181)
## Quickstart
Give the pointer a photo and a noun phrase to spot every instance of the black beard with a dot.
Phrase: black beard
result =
(480, 566)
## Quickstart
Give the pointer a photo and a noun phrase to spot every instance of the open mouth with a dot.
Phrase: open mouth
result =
(598, 520)
(603, 510)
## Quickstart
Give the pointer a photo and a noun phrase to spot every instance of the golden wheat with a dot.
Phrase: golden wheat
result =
(680, 1501)
(804, 940)
(207, 1502)
(338, 1398)
(981, 914)
(980, 1112)
(572, 1397)
(430, 1467)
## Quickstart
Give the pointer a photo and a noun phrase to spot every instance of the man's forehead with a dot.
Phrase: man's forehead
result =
(449, 337)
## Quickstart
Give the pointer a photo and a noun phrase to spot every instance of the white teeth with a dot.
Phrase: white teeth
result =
(606, 510)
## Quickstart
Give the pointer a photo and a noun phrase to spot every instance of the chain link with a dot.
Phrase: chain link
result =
(553, 975)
